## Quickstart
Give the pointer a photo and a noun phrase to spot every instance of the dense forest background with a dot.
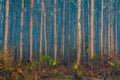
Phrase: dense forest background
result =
(40, 18)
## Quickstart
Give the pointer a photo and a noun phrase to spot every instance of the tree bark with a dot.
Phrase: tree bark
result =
(45, 35)
(101, 30)
(92, 30)
(79, 32)
(63, 25)
(6, 30)
(55, 32)
(109, 32)
(116, 32)
(21, 31)
(42, 13)
(31, 29)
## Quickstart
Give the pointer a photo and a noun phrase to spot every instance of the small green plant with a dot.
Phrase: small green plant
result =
(75, 66)
(94, 58)
(45, 59)
(87, 51)
(54, 62)
(116, 64)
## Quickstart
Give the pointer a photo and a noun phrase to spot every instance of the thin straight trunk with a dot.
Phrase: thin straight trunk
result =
(112, 31)
(116, 32)
(79, 32)
(69, 24)
(21, 31)
(55, 32)
(6, 29)
(31, 29)
(109, 31)
(112, 43)
(105, 40)
(42, 10)
(89, 39)
(92, 30)
(101, 30)
(84, 54)
(45, 36)
(63, 25)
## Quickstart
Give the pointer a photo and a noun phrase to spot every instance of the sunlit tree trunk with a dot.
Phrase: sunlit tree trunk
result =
(45, 36)
(101, 30)
(21, 31)
(31, 29)
(112, 43)
(79, 32)
(116, 32)
(42, 10)
(84, 54)
(92, 30)
(55, 32)
(6, 29)
(63, 25)
(109, 32)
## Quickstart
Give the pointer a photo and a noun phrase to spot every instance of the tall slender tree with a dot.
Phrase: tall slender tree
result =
(89, 38)
(21, 31)
(92, 30)
(42, 13)
(69, 37)
(6, 29)
(31, 29)
(63, 25)
(45, 35)
(79, 32)
(116, 31)
(83, 29)
(109, 32)
(55, 32)
(101, 29)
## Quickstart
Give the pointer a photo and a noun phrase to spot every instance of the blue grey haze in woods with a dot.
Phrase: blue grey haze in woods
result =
(70, 15)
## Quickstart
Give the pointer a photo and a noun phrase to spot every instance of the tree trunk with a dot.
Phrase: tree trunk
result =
(69, 37)
(21, 32)
(89, 39)
(42, 13)
(109, 32)
(55, 32)
(101, 30)
(84, 52)
(78, 32)
(6, 30)
(116, 32)
(45, 36)
(63, 25)
(31, 29)
(92, 30)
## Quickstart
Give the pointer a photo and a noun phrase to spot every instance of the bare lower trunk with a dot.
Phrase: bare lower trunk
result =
(55, 32)
(45, 36)
(78, 32)
(21, 31)
(63, 25)
(116, 32)
(101, 30)
(109, 33)
(42, 10)
(6, 29)
(31, 29)
(84, 52)
(92, 30)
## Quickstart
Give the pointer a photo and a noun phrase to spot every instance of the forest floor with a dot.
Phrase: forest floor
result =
(46, 69)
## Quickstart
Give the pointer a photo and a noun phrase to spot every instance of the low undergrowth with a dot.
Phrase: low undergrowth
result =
(46, 68)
